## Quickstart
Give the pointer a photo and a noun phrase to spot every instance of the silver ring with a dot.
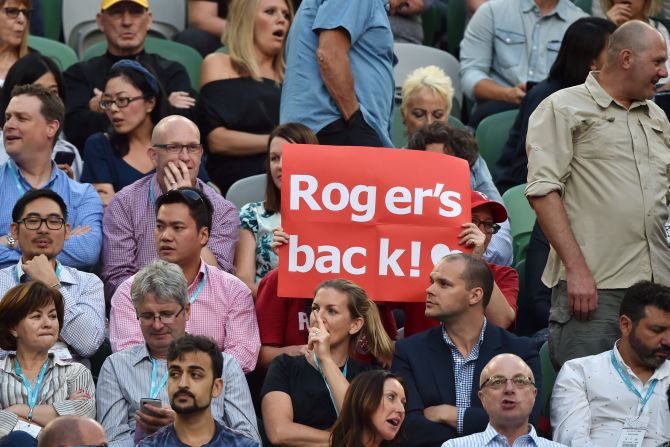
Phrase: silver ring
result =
(317, 333)
(173, 183)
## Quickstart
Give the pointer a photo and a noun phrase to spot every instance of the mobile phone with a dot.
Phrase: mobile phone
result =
(148, 402)
(64, 158)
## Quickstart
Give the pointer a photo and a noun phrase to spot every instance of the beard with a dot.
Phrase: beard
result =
(647, 355)
(190, 409)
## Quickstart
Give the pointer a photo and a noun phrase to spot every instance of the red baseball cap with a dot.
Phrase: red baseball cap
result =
(478, 199)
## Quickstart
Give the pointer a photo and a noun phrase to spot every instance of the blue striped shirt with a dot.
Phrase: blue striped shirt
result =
(125, 378)
(223, 436)
(464, 371)
(491, 438)
(84, 208)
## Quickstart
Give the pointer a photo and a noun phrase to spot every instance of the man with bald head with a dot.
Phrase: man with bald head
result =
(72, 430)
(130, 220)
(598, 164)
(507, 392)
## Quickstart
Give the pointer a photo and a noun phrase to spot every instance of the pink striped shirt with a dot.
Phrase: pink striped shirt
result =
(223, 310)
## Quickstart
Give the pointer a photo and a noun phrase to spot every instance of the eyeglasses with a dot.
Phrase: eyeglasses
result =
(489, 227)
(174, 148)
(13, 12)
(121, 103)
(165, 317)
(500, 382)
(35, 223)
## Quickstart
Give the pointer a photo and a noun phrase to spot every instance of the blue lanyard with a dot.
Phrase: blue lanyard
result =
(344, 373)
(156, 387)
(33, 393)
(15, 175)
(200, 286)
(18, 278)
(629, 384)
(152, 198)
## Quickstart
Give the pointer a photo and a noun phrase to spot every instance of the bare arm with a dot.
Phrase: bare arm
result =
(281, 430)
(335, 67)
(245, 260)
(105, 191)
(498, 311)
(488, 89)
(204, 15)
(582, 294)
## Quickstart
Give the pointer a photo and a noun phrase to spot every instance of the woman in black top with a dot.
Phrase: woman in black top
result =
(240, 91)
(303, 395)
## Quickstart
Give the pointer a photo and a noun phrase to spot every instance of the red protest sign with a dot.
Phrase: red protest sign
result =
(379, 217)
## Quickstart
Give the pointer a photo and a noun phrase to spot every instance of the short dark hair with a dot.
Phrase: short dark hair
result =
(21, 300)
(457, 142)
(34, 194)
(295, 133)
(582, 43)
(27, 70)
(194, 343)
(643, 294)
(475, 274)
(200, 208)
(52, 108)
(120, 143)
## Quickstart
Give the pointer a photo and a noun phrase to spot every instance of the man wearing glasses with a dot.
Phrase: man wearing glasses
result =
(34, 117)
(507, 392)
(221, 304)
(40, 227)
(440, 366)
(129, 223)
(125, 24)
(161, 308)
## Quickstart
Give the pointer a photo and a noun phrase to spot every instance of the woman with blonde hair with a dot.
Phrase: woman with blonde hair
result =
(14, 28)
(35, 385)
(427, 95)
(240, 91)
(303, 395)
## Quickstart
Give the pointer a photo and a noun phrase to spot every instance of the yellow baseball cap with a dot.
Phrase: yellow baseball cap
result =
(109, 3)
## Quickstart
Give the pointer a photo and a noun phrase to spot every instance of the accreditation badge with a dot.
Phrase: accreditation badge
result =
(633, 431)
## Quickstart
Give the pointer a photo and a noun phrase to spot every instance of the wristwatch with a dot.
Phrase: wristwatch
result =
(57, 286)
(11, 242)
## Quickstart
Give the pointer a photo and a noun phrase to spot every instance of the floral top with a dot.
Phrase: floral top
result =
(255, 218)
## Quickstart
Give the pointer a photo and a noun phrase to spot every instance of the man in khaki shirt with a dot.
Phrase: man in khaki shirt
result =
(598, 179)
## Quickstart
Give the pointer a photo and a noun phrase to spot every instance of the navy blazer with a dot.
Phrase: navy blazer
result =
(425, 364)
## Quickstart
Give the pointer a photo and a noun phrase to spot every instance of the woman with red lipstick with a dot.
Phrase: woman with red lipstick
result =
(372, 413)
(134, 102)
(240, 91)
(35, 385)
(14, 28)
(303, 394)
(254, 257)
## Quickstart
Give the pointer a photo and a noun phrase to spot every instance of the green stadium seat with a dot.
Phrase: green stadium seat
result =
(492, 134)
(52, 18)
(63, 55)
(521, 219)
(185, 55)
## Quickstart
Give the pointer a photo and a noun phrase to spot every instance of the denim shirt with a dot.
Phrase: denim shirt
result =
(509, 42)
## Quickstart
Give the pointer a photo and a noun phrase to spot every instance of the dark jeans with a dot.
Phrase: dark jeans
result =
(355, 132)
(201, 40)
(18, 439)
(533, 313)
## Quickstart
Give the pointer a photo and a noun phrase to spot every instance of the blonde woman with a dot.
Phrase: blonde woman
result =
(303, 395)
(240, 91)
(14, 28)
(427, 95)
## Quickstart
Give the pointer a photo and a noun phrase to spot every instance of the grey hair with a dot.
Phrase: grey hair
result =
(164, 279)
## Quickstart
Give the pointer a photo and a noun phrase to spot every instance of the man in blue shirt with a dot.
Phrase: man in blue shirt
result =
(34, 119)
(507, 44)
(339, 71)
(195, 366)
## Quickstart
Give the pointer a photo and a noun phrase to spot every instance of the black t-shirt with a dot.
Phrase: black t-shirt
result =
(311, 401)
